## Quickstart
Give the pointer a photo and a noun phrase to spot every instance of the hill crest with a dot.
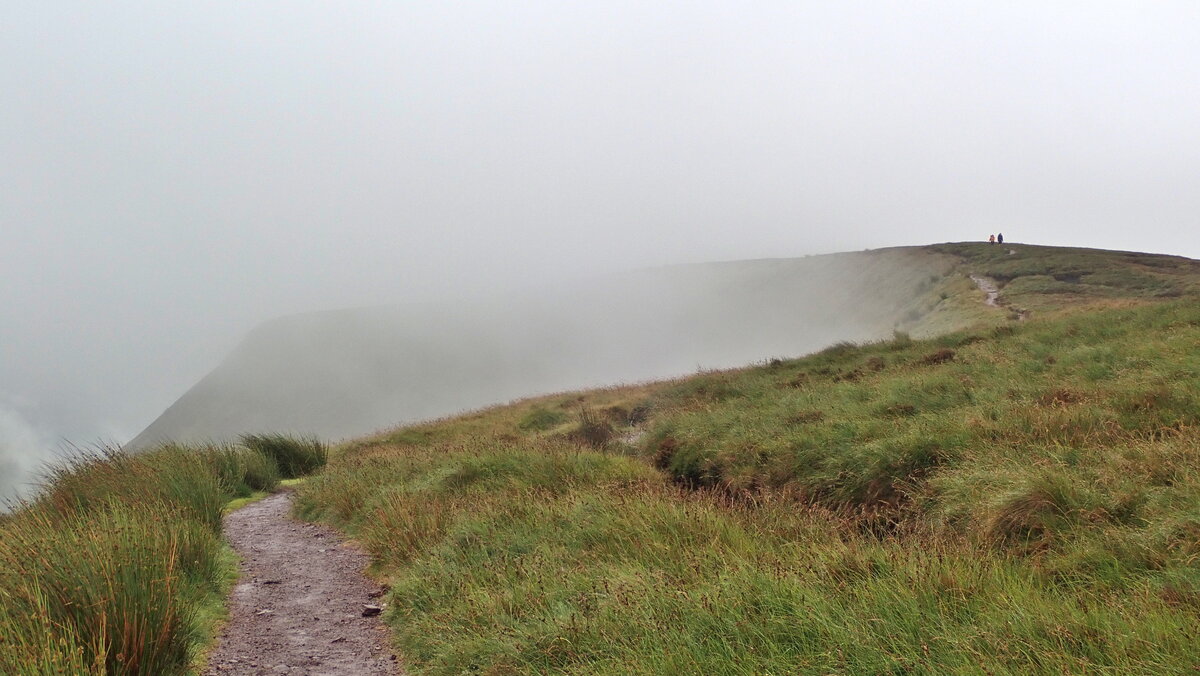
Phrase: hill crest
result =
(349, 372)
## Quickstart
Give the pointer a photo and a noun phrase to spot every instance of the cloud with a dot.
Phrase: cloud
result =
(22, 451)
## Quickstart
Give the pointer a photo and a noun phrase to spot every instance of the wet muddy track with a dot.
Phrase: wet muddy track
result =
(299, 601)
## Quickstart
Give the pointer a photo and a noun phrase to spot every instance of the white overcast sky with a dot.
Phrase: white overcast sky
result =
(173, 173)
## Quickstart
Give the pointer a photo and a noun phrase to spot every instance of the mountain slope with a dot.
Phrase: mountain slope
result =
(348, 372)
(353, 371)
(1007, 499)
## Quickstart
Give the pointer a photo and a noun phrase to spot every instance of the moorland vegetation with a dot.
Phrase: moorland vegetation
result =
(117, 566)
(1018, 497)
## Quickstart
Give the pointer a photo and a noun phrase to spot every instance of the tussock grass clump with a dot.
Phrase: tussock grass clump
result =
(118, 582)
(1043, 506)
(242, 471)
(105, 570)
(295, 457)
(259, 471)
(593, 430)
(172, 475)
(99, 573)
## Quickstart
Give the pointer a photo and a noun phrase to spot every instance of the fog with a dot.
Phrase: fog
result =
(350, 372)
(172, 175)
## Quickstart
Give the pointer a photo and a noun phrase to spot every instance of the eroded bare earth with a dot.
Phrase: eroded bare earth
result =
(989, 287)
(298, 606)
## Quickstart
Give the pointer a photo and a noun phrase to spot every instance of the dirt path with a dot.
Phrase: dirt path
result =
(298, 606)
(989, 287)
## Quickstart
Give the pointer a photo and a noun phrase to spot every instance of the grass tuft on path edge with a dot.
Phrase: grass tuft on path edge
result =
(117, 566)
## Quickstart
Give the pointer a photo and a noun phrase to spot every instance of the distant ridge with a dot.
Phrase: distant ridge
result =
(342, 373)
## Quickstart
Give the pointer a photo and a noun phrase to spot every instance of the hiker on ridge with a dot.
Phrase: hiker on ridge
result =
(991, 239)
(1000, 238)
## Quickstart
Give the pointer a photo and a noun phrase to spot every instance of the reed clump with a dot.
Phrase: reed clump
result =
(105, 569)
(295, 456)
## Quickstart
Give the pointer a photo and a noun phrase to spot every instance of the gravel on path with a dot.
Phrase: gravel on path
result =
(299, 604)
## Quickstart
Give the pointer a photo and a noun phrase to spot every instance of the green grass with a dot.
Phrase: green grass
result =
(295, 457)
(210, 611)
(238, 503)
(1020, 498)
(892, 413)
(541, 418)
(1051, 279)
(1013, 497)
(117, 565)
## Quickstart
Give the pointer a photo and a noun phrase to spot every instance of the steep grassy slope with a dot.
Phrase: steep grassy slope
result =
(351, 372)
(1019, 497)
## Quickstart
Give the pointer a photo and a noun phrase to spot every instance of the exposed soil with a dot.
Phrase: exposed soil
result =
(989, 287)
(992, 290)
(298, 605)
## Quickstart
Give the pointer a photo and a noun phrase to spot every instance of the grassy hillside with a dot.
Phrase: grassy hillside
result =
(352, 372)
(1017, 497)
(1056, 279)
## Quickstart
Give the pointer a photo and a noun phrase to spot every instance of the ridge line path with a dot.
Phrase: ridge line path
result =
(298, 604)
(989, 287)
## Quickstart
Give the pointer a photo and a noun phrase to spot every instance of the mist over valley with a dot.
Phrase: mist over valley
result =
(349, 372)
